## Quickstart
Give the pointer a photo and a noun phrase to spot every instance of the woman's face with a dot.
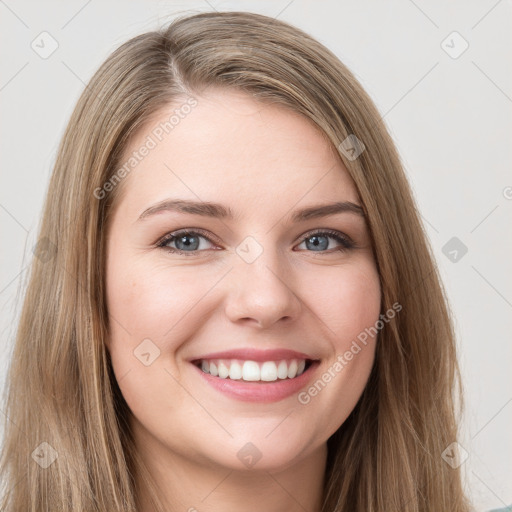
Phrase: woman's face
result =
(262, 274)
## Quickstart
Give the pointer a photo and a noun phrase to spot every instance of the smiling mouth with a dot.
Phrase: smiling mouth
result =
(253, 371)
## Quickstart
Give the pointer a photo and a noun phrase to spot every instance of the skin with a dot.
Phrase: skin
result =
(264, 162)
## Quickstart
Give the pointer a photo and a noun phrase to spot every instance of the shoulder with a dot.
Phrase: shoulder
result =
(506, 509)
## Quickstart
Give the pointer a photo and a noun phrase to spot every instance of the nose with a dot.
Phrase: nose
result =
(261, 293)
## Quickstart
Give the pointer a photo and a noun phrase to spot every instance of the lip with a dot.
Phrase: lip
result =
(262, 392)
(250, 354)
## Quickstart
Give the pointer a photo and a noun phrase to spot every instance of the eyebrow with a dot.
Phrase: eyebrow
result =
(215, 210)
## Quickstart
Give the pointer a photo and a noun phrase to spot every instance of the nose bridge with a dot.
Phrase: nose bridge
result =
(260, 287)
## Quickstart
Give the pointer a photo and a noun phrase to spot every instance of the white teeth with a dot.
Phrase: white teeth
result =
(282, 370)
(252, 371)
(235, 371)
(269, 371)
(292, 369)
(223, 370)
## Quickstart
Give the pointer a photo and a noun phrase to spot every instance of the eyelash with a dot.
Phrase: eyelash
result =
(346, 242)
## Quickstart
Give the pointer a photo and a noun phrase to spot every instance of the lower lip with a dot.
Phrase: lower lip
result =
(259, 391)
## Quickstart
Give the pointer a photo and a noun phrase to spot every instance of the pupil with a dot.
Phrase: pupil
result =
(316, 244)
(191, 244)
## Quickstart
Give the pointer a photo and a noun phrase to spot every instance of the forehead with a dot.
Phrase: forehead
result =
(232, 148)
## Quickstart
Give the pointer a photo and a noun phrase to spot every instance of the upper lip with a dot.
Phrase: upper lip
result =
(250, 354)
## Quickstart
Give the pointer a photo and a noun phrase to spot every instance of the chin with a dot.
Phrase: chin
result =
(273, 454)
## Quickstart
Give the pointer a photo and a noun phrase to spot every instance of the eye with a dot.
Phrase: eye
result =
(318, 241)
(186, 241)
(189, 242)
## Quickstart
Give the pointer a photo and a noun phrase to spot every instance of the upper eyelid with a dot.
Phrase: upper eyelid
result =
(181, 232)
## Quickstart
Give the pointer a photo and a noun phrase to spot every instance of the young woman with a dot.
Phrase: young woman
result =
(233, 304)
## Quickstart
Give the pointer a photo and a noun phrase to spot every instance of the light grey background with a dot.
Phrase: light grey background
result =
(450, 117)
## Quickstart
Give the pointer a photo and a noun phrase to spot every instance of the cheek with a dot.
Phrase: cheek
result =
(348, 300)
(349, 305)
(148, 308)
(150, 301)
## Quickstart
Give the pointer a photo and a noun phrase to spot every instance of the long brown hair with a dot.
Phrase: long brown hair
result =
(63, 405)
